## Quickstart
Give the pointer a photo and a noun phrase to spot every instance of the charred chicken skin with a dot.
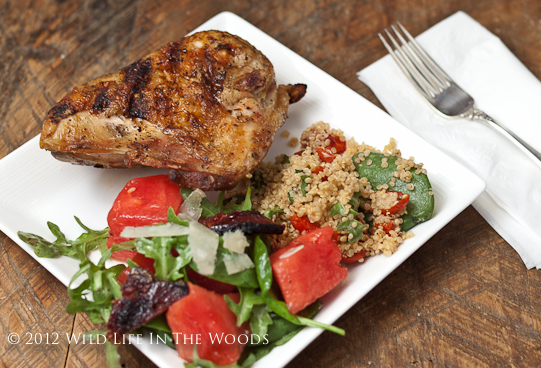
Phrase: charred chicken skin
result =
(205, 107)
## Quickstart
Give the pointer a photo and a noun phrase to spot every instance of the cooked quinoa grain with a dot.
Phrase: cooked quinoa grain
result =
(305, 186)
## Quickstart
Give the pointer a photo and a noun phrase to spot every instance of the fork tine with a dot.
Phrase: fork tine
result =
(416, 59)
(429, 62)
(411, 69)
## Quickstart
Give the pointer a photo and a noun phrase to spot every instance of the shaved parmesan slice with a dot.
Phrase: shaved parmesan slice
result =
(235, 263)
(191, 206)
(235, 241)
(168, 229)
(292, 251)
(204, 245)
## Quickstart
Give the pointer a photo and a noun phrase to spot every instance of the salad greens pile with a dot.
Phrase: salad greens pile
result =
(259, 303)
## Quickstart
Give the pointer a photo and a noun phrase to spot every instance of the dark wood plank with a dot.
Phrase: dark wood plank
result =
(464, 299)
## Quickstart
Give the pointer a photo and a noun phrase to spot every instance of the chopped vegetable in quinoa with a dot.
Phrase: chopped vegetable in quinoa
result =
(370, 198)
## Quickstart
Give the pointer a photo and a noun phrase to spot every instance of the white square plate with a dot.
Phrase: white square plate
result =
(36, 188)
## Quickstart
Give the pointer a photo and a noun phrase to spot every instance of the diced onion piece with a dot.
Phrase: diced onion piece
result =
(235, 263)
(191, 206)
(235, 241)
(291, 252)
(168, 229)
(204, 245)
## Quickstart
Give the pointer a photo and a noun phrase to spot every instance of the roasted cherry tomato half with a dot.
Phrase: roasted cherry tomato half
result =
(387, 227)
(302, 223)
(324, 155)
(336, 143)
(317, 170)
(402, 199)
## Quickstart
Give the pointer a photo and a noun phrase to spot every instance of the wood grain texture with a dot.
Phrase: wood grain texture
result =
(464, 299)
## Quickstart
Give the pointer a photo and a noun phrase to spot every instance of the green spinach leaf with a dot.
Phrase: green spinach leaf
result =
(262, 265)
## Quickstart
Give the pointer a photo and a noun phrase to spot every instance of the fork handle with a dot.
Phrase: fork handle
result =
(476, 114)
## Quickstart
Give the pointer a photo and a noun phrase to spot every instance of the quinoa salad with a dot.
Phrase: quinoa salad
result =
(371, 198)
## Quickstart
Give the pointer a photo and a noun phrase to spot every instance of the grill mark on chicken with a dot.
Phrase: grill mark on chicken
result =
(61, 111)
(137, 76)
(205, 107)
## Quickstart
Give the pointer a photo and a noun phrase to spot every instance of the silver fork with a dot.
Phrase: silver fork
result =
(444, 95)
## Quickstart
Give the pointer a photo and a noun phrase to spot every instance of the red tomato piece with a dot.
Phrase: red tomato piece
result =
(205, 317)
(210, 284)
(324, 155)
(142, 201)
(299, 153)
(353, 258)
(302, 223)
(387, 227)
(317, 170)
(403, 200)
(308, 268)
(335, 236)
(336, 143)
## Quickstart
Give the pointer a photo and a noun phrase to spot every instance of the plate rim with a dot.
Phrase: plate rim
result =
(307, 335)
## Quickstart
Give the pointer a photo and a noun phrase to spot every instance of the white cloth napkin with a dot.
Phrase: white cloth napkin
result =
(503, 88)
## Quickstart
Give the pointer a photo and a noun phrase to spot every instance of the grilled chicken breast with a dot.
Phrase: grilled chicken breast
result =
(206, 107)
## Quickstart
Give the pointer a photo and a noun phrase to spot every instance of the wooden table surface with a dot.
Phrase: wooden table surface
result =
(464, 299)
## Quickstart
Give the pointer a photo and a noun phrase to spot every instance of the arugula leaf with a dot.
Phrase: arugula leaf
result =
(338, 208)
(95, 294)
(243, 310)
(158, 323)
(260, 320)
(246, 278)
(78, 249)
(280, 309)
(131, 264)
(159, 326)
(262, 265)
(168, 267)
(111, 354)
(245, 205)
(220, 201)
(185, 193)
(173, 218)
(207, 208)
(269, 213)
(356, 231)
(255, 353)
(285, 159)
